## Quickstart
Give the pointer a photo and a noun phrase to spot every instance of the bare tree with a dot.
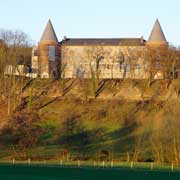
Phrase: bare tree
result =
(16, 50)
(95, 55)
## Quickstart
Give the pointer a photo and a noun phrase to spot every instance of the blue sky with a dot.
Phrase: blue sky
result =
(92, 18)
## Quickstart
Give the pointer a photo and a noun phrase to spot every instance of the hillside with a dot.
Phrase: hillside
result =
(125, 119)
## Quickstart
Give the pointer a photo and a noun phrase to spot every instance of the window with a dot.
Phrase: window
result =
(137, 66)
(128, 68)
(35, 53)
(51, 53)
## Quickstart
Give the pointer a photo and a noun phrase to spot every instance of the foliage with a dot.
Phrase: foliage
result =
(22, 131)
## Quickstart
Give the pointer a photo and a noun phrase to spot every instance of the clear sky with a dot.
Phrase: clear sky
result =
(92, 18)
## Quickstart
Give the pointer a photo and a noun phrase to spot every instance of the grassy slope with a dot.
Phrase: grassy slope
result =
(118, 112)
(119, 121)
(116, 117)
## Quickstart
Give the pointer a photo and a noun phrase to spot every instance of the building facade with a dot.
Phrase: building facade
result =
(102, 58)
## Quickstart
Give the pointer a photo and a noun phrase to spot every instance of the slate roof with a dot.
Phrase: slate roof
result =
(96, 41)
(157, 34)
(49, 33)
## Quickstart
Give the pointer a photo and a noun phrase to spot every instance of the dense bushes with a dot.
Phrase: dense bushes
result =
(22, 131)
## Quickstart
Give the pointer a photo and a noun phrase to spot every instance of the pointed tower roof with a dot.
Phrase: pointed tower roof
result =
(49, 33)
(157, 34)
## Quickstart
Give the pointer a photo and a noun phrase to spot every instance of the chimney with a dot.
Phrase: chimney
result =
(65, 38)
(142, 40)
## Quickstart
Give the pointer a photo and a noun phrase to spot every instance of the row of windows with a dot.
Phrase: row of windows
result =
(79, 74)
(109, 66)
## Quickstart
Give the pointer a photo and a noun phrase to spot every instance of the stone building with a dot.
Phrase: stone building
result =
(103, 58)
(34, 63)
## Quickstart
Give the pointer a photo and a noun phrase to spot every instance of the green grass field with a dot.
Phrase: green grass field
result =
(24, 172)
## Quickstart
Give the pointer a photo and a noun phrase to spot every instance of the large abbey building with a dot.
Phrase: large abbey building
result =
(84, 58)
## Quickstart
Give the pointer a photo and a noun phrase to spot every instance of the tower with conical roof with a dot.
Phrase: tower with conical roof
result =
(157, 37)
(48, 52)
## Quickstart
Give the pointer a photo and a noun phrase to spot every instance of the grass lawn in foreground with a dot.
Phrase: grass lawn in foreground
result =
(22, 172)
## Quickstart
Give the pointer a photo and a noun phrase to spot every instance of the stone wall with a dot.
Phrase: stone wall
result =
(103, 61)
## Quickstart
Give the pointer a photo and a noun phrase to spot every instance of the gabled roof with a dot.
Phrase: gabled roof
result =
(49, 33)
(106, 41)
(157, 34)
